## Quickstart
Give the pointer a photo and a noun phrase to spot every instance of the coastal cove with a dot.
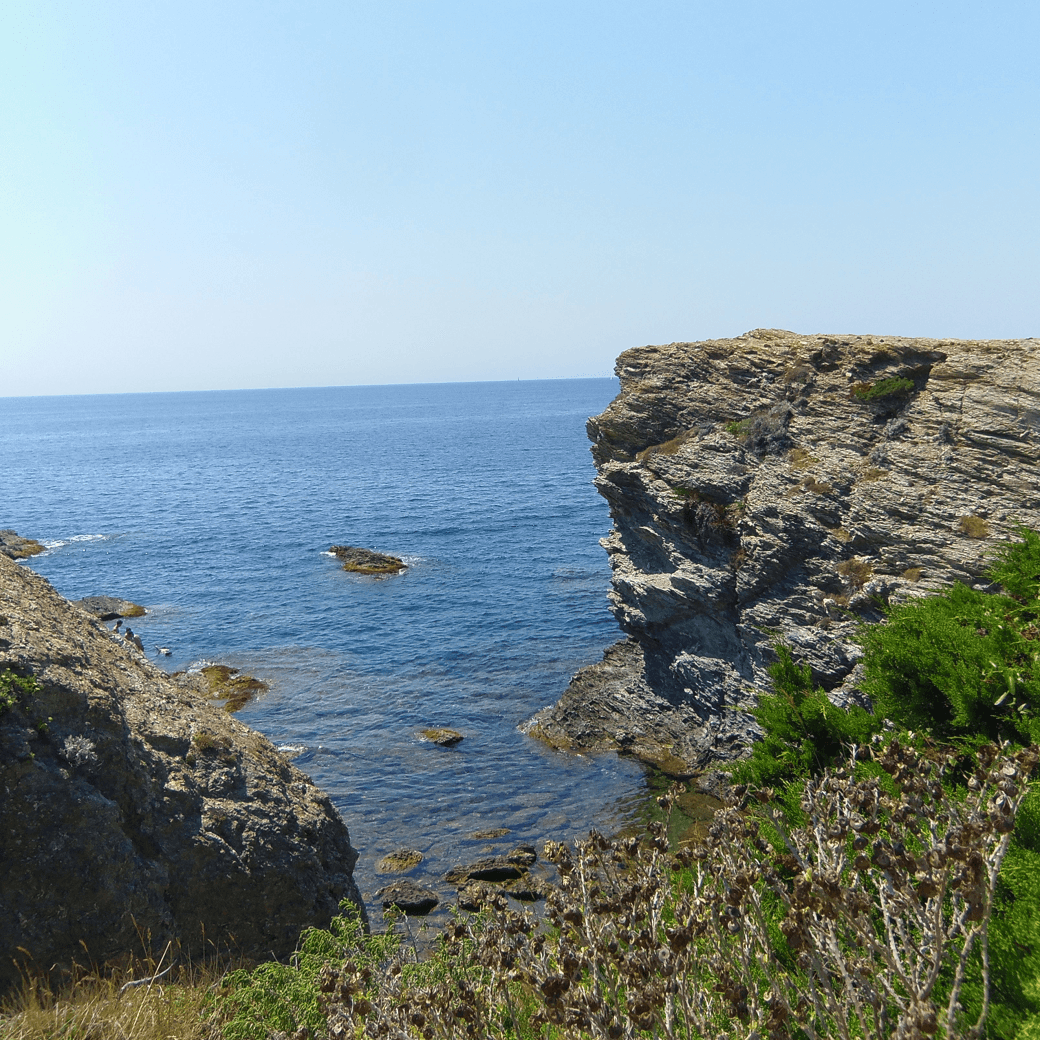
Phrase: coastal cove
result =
(216, 512)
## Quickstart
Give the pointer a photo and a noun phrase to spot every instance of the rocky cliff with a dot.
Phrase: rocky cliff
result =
(133, 812)
(784, 487)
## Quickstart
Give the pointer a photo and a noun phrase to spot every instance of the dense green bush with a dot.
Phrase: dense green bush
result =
(285, 998)
(964, 664)
(804, 732)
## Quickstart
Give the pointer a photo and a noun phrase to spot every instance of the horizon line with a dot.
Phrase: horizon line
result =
(313, 386)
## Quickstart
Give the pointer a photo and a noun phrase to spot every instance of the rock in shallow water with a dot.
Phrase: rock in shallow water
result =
(365, 561)
(409, 896)
(132, 807)
(108, 608)
(442, 736)
(492, 868)
(400, 861)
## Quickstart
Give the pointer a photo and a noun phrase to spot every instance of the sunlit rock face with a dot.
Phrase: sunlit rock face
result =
(133, 812)
(784, 487)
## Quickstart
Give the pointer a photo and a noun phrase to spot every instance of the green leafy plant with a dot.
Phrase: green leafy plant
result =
(894, 386)
(15, 688)
(803, 731)
(276, 997)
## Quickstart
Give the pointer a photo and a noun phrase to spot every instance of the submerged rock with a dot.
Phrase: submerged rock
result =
(409, 896)
(135, 811)
(782, 487)
(365, 561)
(400, 861)
(229, 685)
(108, 608)
(442, 736)
(491, 868)
(15, 547)
(489, 834)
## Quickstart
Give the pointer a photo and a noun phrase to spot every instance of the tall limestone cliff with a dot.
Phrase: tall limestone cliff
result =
(133, 812)
(778, 487)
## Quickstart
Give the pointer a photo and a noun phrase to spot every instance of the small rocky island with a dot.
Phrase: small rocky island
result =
(134, 810)
(366, 561)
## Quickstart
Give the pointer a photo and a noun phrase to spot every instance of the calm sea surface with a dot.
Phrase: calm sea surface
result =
(214, 510)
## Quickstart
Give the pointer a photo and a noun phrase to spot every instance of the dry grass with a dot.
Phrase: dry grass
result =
(973, 527)
(913, 573)
(97, 1007)
(800, 458)
(669, 447)
(817, 487)
(856, 571)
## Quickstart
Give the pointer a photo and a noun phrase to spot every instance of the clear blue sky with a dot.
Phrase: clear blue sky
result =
(217, 194)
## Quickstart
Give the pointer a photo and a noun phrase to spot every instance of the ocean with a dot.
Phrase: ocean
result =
(216, 510)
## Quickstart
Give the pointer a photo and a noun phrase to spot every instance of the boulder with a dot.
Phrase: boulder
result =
(134, 811)
(409, 896)
(365, 561)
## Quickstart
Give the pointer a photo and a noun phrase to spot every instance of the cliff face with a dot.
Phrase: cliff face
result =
(781, 487)
(131, 808)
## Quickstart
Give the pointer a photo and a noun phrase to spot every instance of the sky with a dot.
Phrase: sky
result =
(222, 194)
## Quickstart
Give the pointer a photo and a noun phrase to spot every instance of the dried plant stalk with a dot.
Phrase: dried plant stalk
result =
(861, 923)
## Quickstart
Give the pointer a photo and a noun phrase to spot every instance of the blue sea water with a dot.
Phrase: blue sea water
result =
(215, 510)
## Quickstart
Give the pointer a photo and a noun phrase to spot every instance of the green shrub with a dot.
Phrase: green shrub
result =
(803, 731)
(894, 386)
(15, 687)
(957, 665)
(278, 997)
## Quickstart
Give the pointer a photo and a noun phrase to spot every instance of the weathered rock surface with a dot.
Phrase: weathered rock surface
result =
(15, 547)
(366, 561)
(442, 736)
(491, 868)
(400, 861)
(778, 487)
(129, 806)
(108, 608)
(409, 896)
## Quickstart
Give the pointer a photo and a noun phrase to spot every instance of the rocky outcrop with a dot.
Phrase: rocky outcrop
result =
(366, 561)
(133, 812)
(108, 608)
(15, 547)
(784, 487)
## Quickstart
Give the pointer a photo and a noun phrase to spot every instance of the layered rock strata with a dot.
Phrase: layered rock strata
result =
(779, 487)
(133, 812)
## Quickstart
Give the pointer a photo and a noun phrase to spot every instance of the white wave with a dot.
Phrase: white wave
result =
(57, 543)
(292, 749)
